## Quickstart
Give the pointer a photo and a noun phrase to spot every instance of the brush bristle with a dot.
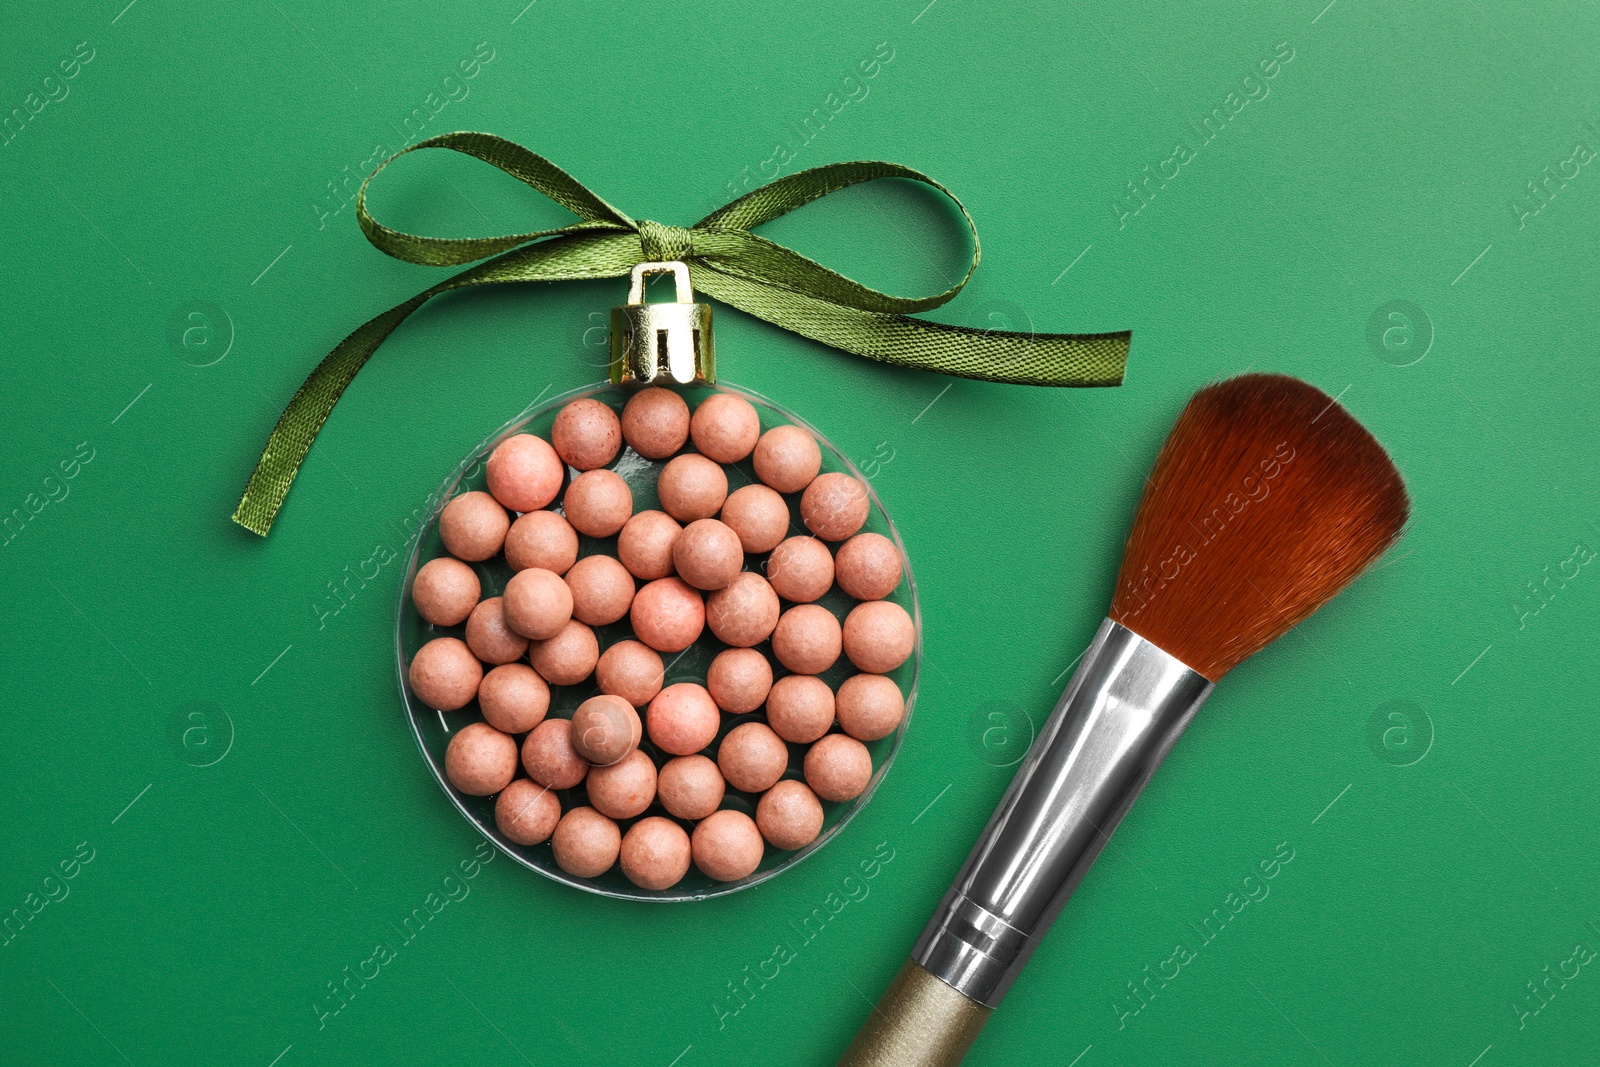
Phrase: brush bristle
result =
(1268, 498)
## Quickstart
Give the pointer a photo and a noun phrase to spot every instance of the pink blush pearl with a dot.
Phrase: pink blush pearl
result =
(789, 815)
(585, 843)
(524, 472)
(473, 526)
(800, 569)
(683, 719)
(739, 680)
(444, 674)
(480, 760)
(513, 698)
(489, 635)
(631, 670)
(834, 506)
(807, 639)
(868, 566)
(598, 503)
(878, 636)
(526, 812)
(586, 434)
(549, 757)
(538, 603)
(787, 458)
(752, 757)
(727, 846)
(725, 427)
(838, 767)
(602, 590)
(800, 708)
(568, 657)
(668, 615)
(869, 706)
(655, 853)
(691, 487)
(655, 422)
(707, 554)
(445, 591)
(645, 544)
(623, 789)
(690, 787)
(743, 612)
(604, 730)
(758, 515)
(542, 539)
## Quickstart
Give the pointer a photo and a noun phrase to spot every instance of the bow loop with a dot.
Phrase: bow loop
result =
(728, 262)
(660, 243)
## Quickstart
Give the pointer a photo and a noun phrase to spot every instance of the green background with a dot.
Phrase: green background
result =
(1442, 859)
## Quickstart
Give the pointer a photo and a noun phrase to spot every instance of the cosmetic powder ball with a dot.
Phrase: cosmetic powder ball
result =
(542, 539)
(690, 787)
(838, 767)
(527, 812)
(744, 612)
(602, 590)
(707, 554)
(524, 473)
(867, 566)
(834, 506)
(585, 843)
(549, 758)
(807, 639)
(789, 815)
(473, 526)
(444, 674)
(538, 603)
(726, 846)
(604, 730)
(655, 853)
(691, 487)
(445, 591)
(480, 760)
(631, 670)
(513, 698)
(725, 427)
(758, 515)
(787, 458)
(667, 614)
(800, 569)
(655, 422)
(879, 636)
(645, 544)
(752, 757)
(739, 680)
(869, 706)
(682, 719)
(568, 657)
(800, 708)
(623, 789)
(598, 502)
(490, 636)
(586, 434)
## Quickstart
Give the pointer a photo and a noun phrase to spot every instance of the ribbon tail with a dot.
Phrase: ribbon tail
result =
(1053, 359)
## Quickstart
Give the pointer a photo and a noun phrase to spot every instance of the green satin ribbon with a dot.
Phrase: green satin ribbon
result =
(726, 261)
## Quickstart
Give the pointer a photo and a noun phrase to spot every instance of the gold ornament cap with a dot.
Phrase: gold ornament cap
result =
(664, 342)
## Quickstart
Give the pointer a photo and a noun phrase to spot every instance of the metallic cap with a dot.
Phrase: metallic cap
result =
(665, 341)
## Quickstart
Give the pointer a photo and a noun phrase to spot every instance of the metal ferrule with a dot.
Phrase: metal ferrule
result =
(1118, 718)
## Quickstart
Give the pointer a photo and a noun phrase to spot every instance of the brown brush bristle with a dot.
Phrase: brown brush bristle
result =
(1267, 499)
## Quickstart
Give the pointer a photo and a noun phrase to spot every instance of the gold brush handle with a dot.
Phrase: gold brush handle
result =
(919, 1022)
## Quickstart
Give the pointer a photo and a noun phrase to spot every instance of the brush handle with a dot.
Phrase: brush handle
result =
(918, 1022)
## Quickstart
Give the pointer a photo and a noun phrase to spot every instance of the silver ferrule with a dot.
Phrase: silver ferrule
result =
(1120, 715)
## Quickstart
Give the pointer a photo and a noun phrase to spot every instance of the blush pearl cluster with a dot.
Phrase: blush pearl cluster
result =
(636, 776)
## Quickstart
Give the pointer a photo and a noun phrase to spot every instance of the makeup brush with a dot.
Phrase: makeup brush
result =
(1267, 499)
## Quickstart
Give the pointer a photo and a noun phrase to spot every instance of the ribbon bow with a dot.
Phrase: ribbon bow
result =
(727, 261)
